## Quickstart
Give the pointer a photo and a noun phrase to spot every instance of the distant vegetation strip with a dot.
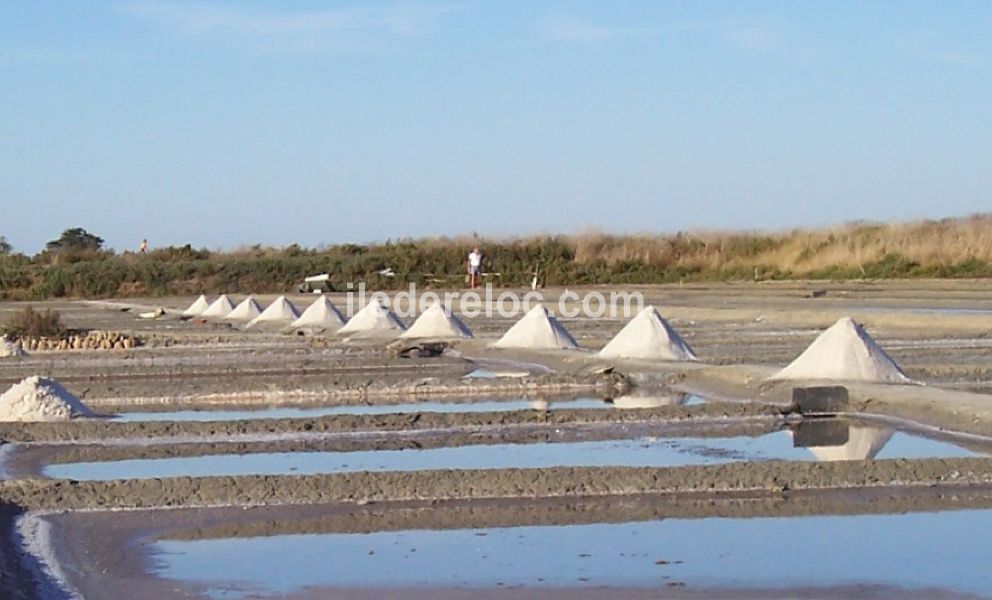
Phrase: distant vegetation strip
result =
(949, 248)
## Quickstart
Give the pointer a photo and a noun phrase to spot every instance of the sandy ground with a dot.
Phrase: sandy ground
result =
(938, 331)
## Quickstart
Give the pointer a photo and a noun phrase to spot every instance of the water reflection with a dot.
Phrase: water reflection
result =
(290, 412)
(835, 440)
(660, 451)
(935, 553)
(645, 400)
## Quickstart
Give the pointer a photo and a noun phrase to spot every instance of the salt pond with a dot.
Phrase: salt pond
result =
(644, 452)
(927, 551)
(409, 407)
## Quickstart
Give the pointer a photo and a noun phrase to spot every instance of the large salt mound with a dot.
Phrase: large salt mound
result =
(537, 330)
(373, 318)
(863, 443)
(196, 309)
(220, 308)
(40, 399)
(280, 311)
(437, 322)
(9, 348)
(844, 352)
(648, 336)
(247, 310)
(321, 314)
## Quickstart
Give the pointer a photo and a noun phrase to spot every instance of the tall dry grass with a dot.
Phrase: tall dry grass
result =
(959, 247)
(929, 243)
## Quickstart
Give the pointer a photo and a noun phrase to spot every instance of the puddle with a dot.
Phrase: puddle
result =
(640, 452)
(291, 412)
(922, 551)
(482, 373)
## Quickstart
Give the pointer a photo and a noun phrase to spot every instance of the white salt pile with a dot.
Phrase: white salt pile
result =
(9, 348)
(373, 318)
(637, 401)
(538, 329)
(280, 311)
(437, 322)
(648, 336)
(196, 309)
(220, 308)
(320, 315)
(247, 310)
(40, 399)
(863, 443)
(844, 352)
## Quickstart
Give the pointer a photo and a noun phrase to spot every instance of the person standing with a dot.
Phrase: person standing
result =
(143, 249)
(474, 268)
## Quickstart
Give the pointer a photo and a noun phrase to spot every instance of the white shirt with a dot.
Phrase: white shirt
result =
(475, 259)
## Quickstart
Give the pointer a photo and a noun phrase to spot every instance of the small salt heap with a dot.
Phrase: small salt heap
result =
(374, 319)
(320, 315)
(247, 310)
(648, 336)
(9, 348)
(437, 322)
(538, 329)
(40, 399)
(844, 352)
(280, 311)
(220, 308)
(196, 309)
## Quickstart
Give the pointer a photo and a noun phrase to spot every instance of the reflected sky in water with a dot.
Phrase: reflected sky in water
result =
(648, 452)
(291, 412)
(919, 550)
(361, 409)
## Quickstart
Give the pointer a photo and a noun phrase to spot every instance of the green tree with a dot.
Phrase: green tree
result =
(76, 238)
(5, 247)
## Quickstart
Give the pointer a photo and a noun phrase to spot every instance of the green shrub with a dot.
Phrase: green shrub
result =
(32, 323)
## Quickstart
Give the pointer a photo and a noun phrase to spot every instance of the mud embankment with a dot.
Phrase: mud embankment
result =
(760, 479)
(96, 429)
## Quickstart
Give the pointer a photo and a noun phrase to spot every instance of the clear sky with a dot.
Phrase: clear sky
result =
(229, 123)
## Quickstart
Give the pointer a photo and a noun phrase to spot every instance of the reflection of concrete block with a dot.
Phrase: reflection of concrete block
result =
(826, 399)
(820, 432)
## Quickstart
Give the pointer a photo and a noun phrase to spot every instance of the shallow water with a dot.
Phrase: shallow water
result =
(914, 551)
(644, 452)
(290, 412)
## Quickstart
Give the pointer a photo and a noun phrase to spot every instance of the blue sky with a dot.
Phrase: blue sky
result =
(229, 123)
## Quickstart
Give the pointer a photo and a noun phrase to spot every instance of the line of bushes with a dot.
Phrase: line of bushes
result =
(434, 264)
